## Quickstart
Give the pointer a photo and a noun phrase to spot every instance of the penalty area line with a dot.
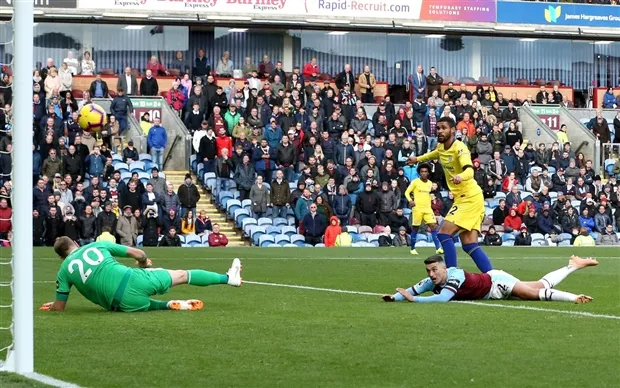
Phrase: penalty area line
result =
(496, 305)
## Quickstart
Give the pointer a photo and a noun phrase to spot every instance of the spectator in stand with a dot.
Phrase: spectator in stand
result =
(52, 165)
(171, 220)
(545, 221)
(500, 213)
(158, 183)
(107, 219)
(176, 98)
(509, 182)
(513, 221)
(121, 106)
(332, 232)
(188, 196)
(203, 223)
(130, 153)
(223, 171)
(38, 229)
(202, 66)
(188, 225)
(157, 140)
(607, 237)
(523, 238)
(259, 195)
(223, 142)
(609, 100)
(249, 67)
(586, 220)
(513, 198)
(314, 225)
(278, 71)
(418, 83)
(98, 88)
(156, 68)
(6, 214)
(584, 239)
(367, 204)
(388, 203)
(231, 117)
(52, 83)
(302, 204)
(217, 239)
(433, 81)
(150, 226)
(264, 159)
(280, 192)
(127, 228)
(128, 82)
(570, 221)
(492, 238)
(207, 150)
(149, 85)
(367, 84)
(224, 66)
(244, 177)
(170, 239)
(601, 219)
(88, 66)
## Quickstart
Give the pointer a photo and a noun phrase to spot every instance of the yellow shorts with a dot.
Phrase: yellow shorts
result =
(467, 212)
(420, 215)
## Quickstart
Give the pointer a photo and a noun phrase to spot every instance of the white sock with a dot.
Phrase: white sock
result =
(556, 295)
(554, 278)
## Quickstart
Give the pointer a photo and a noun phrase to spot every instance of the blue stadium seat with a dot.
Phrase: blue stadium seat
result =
(200, 169)
(566, 236)
(358, 237)
(553, 195)
(122, 167)
(246, 223)
(444, 194)
(320, 245)
(239, 215)
(488, 211)
(537, 236)
(500, 195)
(182, 238)
(224, 195)
(274, 230)
(564, 243)
(575, 203)
(373, 237)
(508, 237)
(609, 165)
(291, 221)
(125, 176)
(551, 170)
(192, 240)
(351, 228)
(493, 203)
(209, 180)
(279, 221)
(508, 243)
(257, 233)
(247, 204)
(298, 240)
(282, 239)
(264, 221)
(266, 239)
(117, 157)
(137, 167)
(205, 238)
(139, 240)
(145, 157)
(289, 230)
(536, 168)
(193, 162)
(231, 206)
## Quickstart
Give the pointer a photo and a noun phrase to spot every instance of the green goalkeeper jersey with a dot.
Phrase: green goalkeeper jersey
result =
(94, 271)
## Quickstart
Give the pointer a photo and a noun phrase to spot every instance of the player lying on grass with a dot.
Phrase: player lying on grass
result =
(455, 284)
(96, 274)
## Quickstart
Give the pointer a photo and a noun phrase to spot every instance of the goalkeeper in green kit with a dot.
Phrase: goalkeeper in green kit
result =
(101, 279)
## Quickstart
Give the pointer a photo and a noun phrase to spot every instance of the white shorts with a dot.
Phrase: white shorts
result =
(502, 284)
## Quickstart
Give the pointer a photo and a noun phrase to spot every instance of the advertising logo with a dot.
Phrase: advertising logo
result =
(260, 5)
(552, 14)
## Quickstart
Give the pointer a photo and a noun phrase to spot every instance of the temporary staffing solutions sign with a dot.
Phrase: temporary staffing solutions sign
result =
(431, 10)
(558, 14)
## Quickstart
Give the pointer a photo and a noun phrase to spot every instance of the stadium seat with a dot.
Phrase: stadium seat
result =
(279, 221)
(125, 176)
(289, 230)
(247, 204)
(320, 245)
(246, 223)
(289, 245)
(239, 215)
(205, 238)
(231, 206)
(351, 229)
(137, 167)
(145, 157)
(356, 237)
(551, 170)
(444, 194)
(508, 237)
(609, 165)
(182, 238)
(209, 180)
(282, 239)
(508, 243)
(553, 195)
(575, 203)
(298, 240)
(488, 211)
(264, 221)
(536, 168)
(117, 157)
(564, 243)
(224, 196)
(274, 230)
(192, 240)
(373, 237)
(493, 203)
(139, 240)
(122, 167)
(537, 236)
(364, 229)
(291, 221)
(193, 162)
(265, 239)
(500, 195)
(257, 233)
(566, 236)
(378, 229)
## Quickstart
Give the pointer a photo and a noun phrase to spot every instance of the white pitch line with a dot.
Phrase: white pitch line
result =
(50, 380)
(507, 306)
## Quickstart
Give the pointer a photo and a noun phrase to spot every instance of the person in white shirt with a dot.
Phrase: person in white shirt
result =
(88, 65)
(72, 63)
(254, 82)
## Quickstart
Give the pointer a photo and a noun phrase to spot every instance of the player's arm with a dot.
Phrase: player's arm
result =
(409, 191)
(444, 296)
(124, 251)
(464, 158)
(433, 155)
(63, 287)
(421, 287)
(57, 305)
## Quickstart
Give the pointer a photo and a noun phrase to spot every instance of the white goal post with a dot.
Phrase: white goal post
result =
(20, 355)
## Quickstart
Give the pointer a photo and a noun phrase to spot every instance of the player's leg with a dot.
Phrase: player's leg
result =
(469, 241)
(525, 292)
(554, 278)
(445, 237)
(434, 231)
(202, 278)
(416, 221)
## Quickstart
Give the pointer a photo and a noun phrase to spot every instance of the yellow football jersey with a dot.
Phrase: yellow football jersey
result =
(453, 160)
(421, 193)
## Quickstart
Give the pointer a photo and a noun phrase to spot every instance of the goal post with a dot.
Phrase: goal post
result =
(20, 358)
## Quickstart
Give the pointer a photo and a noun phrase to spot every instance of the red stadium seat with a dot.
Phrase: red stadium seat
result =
(174, 72)
(522, 81)
(112, 93)
(540, 82)
(107, 71)
(502, 81)
(485, 80)
(77, 93)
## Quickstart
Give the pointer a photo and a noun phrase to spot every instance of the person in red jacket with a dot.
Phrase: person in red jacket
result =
(513, 221)
(311, 70)
(175, 98)
(525, 206)
(508, 182)
(5, 219)
(217, 239)
(223, 141)
(332, 232)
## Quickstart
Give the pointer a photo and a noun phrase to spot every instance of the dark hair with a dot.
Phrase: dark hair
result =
(434, 259)
(448, 120)
(424, 165)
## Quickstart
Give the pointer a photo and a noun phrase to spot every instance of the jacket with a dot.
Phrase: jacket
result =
(157, 137)
(344, 239)
(127, 230)
(402, 241)
(314, 226)
(93, 89)
(601, 221)
(175, 99)
(244, 176)
(188, 195)
(607, 239)
(280, 192)
(260, 198)
(170, 222)
(106, 219)
(387, 201)
(364, 85)
(149, 233)
(171, 201)
(217, 240)
(570, 222)
(122, 84)
(168, 241)
(121, 105)
(302, 207)
(545, 223)
(286, 155)
(523, 240)
(342, 205)
(492, 239)
(332, 232)
(95, 164)
(149, 87)
(367, 202)
(51, 167)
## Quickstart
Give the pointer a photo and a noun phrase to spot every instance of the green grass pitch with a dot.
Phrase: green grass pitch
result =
(267, 336)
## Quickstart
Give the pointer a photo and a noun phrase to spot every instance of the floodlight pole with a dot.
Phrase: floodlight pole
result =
(23, 326)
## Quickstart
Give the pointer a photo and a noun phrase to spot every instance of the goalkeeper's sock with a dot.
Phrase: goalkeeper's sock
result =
(157, 305)
(556, 295)
(435, 239)
(201, 278)
(449, 250)
(480, 258)
(554, 278)
(414, 236)
(399, 298)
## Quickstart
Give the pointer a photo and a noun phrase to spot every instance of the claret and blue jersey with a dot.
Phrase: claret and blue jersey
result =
(459, 285)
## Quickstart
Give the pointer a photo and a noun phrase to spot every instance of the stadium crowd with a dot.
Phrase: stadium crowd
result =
(288, 145)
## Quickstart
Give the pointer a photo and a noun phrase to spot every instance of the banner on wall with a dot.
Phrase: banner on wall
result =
(429, 10)
(43, 3)
(558, 14)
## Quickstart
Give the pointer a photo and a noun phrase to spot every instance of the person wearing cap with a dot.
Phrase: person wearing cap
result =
(127, 227)
(188, 195)
(402, 239)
